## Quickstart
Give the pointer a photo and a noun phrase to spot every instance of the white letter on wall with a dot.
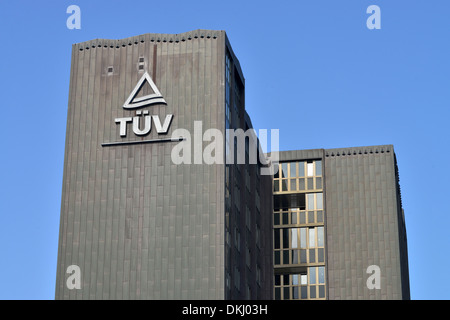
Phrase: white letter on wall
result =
(373, 282)
(74, 280)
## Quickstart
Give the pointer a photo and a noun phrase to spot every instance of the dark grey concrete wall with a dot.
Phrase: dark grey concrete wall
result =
(365, 224)
(138, 226)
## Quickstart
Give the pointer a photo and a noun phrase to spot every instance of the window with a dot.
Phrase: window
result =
(312, 237)
(299, 234)
(310, 201)
(307, 285)
(293, 169)
(310, 169)
(301, 169)
(318, 168)
(284, 170)
(290, 176)
(319, 200)
(293, 246)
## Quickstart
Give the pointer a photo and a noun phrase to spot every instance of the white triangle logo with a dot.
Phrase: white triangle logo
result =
(134, 102)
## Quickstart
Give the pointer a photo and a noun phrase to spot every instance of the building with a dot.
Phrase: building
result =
(135, 224)
(338, 220)
(150, 211)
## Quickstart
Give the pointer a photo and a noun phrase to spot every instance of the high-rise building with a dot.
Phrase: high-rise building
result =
(339, 228)
(156, 203)
(142, 215)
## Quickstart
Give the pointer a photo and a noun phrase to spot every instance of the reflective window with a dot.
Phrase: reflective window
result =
(295, 279)
(312, 275)
(320, 236)
(293, 168)
(319, 198)
(312, 237)
(294, 238)
(301, 169)
(302, 237)
(318, 168)
(310, 169)
(321, 274)
(303, 279)
(284, 169)
(299, 234)
(310, 200)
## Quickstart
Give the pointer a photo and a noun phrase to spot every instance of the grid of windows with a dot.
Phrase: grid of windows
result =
(298, 176)
(299, 246)
(305, 285)
(299, 231)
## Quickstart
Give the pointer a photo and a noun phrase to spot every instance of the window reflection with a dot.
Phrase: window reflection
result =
(299, 235)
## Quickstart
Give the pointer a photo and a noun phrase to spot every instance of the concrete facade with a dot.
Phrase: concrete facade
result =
(365, 223)
(137, 225)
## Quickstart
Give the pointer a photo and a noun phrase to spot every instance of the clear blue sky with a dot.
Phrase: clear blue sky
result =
(312, 68)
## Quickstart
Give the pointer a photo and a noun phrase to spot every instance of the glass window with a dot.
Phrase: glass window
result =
(320, 236)
(312, 292)
(286, 257)
(321, 274)
(302, 217)
(286, 238)
(301, 184)
(310, 183)
(284, 168)
(293, 184)
(310, 216)
(284, 185)
(310, 198)
(312, 255)
(294, 238)
(310, 169)
(312, 237)
(304, 292)
(277, 280)
(303, 279)
(294, 256)
(319, 216)
(301, 169)
(276, 218)
(295, 293)
(294, 217)
(295, 279)
(318, 168)
(277, 293)
(321, 255)
(293, 167)
(319, 201)
(276, 185)
(312, 275)
(286, 279)
(286, 293)
(303, 256)
(277, 238)
(321, 291)
(302, 237)
(285, 217)
(319, 183)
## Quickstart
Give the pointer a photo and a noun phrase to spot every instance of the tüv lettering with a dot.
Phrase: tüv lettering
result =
(142, 130)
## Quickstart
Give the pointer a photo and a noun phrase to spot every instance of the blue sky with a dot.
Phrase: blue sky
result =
(313, 62)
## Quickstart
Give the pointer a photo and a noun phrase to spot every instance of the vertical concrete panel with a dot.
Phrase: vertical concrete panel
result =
(369, 219)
